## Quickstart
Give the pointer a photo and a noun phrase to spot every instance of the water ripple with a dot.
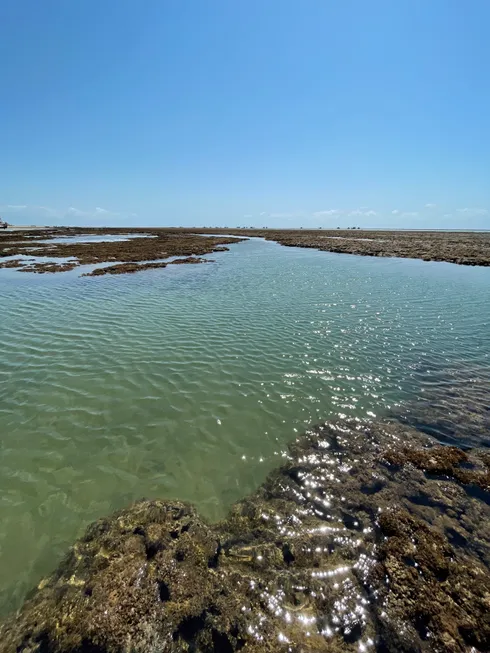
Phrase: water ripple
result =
(189, 382)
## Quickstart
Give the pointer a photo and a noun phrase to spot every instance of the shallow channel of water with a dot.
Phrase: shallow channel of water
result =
(189, 382)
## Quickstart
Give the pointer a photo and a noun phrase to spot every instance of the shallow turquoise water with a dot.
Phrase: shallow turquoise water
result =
(189, 382)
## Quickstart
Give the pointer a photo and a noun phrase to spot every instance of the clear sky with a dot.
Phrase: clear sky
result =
(245, 112)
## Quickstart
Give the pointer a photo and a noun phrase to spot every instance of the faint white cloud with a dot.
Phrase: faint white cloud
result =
(248, 215)
(363, 211)
(405, 214)
(28, 211)
(264, 213)
(75, 211)
(473, 211)
(97, 215)
(98, 211)
(48, 211)
(430, 206)
(326, 212)
(448, 215)
(35, 213)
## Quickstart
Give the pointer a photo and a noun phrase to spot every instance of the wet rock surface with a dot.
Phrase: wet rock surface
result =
(130, 268)
(449, 462)
(52, 266)
(464, 248)
(445, 599)
(365, 539)
(129, 255)
(12, 264)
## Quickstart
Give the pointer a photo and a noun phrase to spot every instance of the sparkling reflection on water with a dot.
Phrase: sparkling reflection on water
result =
(189, 382)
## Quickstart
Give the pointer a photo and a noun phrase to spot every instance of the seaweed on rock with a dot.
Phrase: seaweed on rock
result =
(352, 545)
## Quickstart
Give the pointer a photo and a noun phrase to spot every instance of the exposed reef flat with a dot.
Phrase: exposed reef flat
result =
(129, 268)
(465, 248)
(128, 255)
(368, 537)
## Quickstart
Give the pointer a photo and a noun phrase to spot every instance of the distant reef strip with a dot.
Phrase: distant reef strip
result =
(22, 249)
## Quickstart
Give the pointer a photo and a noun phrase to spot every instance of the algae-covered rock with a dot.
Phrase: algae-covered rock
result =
(442, 598)
(365, 539)
(128, 575)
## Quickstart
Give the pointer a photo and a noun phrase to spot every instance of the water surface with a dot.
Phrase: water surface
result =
(188, 382)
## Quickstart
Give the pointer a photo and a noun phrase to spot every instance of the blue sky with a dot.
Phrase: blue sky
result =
(245, 112)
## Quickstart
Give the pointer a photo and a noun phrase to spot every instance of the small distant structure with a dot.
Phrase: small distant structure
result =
(3, 224)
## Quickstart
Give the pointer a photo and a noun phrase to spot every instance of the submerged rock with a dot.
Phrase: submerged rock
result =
(131, 268)
(456, 409)
(445, 598)
(141, 579)
(365, 539)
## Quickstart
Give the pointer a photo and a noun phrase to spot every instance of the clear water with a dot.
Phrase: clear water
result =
(189, 382)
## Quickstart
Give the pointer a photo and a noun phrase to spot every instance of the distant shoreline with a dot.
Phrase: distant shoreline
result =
(18, 227)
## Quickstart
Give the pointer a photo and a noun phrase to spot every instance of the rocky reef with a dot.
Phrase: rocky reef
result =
(463, 248)
(131, 268)
(368, 537)
(127, 254)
